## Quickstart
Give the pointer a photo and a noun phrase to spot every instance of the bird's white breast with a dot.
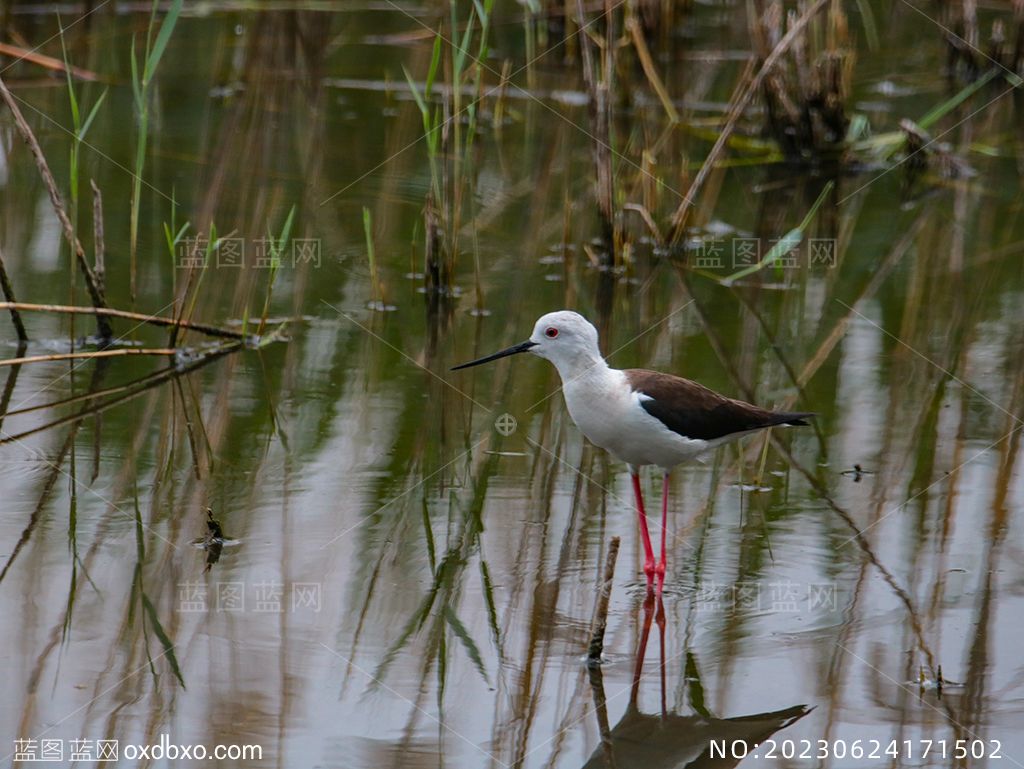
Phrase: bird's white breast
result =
(608, 412)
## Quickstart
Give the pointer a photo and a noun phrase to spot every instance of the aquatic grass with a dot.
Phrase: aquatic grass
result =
(190, 435)
(886, 146)
(926, 432)
(56, 201)
(786, 244)
(277, 247)
(150, 618)
(598, 79)
(378, 302)
(435, 269)
(195, 278)
(438, 606)
(449, 142)
(80, 128)
(173, 235)
(142, 86)
(431, 117)
(748, 85)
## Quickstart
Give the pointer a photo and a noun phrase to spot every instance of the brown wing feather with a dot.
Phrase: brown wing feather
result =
(693, 411)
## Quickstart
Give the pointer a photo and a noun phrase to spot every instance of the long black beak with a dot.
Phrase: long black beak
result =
(516, 348)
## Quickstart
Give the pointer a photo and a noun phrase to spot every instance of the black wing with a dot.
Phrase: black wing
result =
(693, 411)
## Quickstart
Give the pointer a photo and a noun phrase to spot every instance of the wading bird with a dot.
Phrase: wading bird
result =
(640, 417)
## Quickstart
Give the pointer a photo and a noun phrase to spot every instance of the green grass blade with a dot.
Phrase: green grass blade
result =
(858, 129)
(92, 115)
(870, 26)
(485, 24)
(789, 241)
(415, 92)
(276, 250)
(955, 101)
(286, 230)
(162, 38)
(463, 49)
(75, 116)
(136, 80)
(371, 254)
(435, 65)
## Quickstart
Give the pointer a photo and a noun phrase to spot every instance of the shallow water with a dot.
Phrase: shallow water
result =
(411, 576)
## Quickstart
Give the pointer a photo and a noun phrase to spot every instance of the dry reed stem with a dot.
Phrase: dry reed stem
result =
(153, 320)
(742, 99)
(8, 289)
(95, 292)
(647, 63)
(118, 353)
(645, 214)
(604, 594)
(131, 392)
(600, 117)
(42, 60)
(99, 243)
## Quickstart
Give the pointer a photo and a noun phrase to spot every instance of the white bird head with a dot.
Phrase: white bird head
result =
(565, 338)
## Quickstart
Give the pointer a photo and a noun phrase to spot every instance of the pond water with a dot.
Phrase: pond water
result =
(413, 554)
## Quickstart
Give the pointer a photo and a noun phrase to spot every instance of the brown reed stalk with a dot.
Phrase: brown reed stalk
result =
(600, 120)
(8, 289)
(118, 353)
(98, 244)
(604, 594)
(745, 91)
(106, 312)
(647, 63)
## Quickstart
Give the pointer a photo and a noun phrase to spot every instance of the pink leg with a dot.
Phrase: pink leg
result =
(649, 565)
(660, 568)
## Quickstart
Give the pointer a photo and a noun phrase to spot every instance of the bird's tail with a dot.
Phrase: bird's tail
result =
(794, 418)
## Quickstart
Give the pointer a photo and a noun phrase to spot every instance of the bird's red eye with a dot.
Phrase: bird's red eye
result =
(551, 333)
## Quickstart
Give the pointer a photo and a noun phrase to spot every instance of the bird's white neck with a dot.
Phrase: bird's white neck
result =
(580, 364)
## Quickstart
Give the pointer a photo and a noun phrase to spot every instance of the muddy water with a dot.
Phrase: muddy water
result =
(404, 572)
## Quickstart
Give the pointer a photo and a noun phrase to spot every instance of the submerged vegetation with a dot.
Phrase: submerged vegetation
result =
(792, 105)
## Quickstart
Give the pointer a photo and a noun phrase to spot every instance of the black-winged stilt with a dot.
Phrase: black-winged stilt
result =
(641, 417)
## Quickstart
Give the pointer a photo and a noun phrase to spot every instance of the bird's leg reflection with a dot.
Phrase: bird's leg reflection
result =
(660, 619)
(660, 568)
(654, 609)
(669, 740)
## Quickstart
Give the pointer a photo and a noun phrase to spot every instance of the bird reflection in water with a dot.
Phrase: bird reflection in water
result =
(667, 740)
